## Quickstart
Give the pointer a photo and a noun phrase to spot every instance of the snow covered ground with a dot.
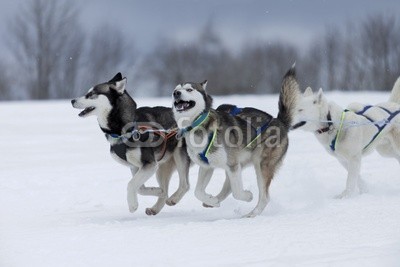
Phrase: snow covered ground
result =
(63, 202)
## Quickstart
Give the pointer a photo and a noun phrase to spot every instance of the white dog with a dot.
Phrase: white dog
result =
(349, 134)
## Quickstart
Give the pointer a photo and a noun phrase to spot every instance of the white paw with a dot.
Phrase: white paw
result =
(345, 194)
(250, 215)
(174, 199)
(151, 211)
(211, 201)
(244, 196)
(132, 203)
(133, 208)
(150, 191)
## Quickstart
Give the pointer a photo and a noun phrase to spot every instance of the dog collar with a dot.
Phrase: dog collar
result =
(328, 128)
(196, 123)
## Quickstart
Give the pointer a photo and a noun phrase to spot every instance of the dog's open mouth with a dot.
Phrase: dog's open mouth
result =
(183, 105)
(298, 125)
(86, 111)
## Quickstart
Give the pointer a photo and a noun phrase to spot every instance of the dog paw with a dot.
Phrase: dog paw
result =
(151, 212)
(345, 194)
(250, 215)
(170, 202)
(150, 191)
(248, 196)
(211, 201)
(133, 208)
(207, 206)
(244, 196)
(173, 200)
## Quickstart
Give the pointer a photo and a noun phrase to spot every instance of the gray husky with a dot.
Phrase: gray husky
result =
(217, 139)
(151, 150)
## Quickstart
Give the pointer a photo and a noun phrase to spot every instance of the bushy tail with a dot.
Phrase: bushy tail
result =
(288, 97)
(395, 95)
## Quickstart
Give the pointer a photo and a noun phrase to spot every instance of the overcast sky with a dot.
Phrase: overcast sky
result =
(237, 21)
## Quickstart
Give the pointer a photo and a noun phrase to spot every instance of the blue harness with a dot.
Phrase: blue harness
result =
(236, 111)
(380, 127)
(212, 136)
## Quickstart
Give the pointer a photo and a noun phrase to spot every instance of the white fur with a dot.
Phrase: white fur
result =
(185, 118)
(120, 86)
(218, 159)
(313, 108)
(395, 96)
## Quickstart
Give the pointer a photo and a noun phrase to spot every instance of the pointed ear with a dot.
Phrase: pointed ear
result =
(116, 78)
(308, 92)
(120, 86)
(320, 96)
(204, 84)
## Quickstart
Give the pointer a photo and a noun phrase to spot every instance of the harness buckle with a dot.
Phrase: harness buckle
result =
(136, 135)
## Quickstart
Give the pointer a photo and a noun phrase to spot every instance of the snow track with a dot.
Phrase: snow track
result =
(63, 202)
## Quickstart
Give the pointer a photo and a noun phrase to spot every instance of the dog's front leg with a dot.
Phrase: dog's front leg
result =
(362, 185)
(234, 174)
(140, 177)
(353, 168)
(202, 182)
(146, 191)
(226, 189)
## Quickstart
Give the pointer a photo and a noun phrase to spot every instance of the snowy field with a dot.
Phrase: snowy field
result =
(63, 202)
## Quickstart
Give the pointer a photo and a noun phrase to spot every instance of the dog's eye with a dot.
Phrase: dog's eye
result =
(189, 90)
(315, 102)
(91, 95)
(301, 110)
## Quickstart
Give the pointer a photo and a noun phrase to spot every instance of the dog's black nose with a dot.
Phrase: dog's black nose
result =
(73, 101)
(177, 94)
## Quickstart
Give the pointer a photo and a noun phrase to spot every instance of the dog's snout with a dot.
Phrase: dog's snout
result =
(177, 93)
(73, 101)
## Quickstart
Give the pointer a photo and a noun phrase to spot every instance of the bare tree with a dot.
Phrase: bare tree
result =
(204, 58)
(107, 52)
(262, 65)
(379, 35)
(5, 89)
(46, 42)
(310, 66)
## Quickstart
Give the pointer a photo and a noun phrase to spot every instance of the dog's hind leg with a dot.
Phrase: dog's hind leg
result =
(140, 177)
(234, 174)
(264, 178)
(182, 162)
(353, 168)
(200, 190)
(163, 174)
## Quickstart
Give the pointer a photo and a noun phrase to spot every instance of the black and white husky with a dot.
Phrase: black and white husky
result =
(149, 151)
(217, 139)
(351, 133)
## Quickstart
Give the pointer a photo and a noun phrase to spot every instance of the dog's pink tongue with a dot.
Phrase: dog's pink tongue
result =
(182, 106)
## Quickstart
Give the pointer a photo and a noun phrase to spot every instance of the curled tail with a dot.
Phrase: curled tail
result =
(395, 95)
(288, 97)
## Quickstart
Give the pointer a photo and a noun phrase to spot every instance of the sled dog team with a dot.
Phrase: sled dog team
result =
(160, 140)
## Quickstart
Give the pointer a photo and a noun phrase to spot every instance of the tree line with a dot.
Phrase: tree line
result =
(51, 57)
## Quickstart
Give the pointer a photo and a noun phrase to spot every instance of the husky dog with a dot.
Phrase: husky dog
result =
(349, 134)
(118, 116)
(216, 139)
